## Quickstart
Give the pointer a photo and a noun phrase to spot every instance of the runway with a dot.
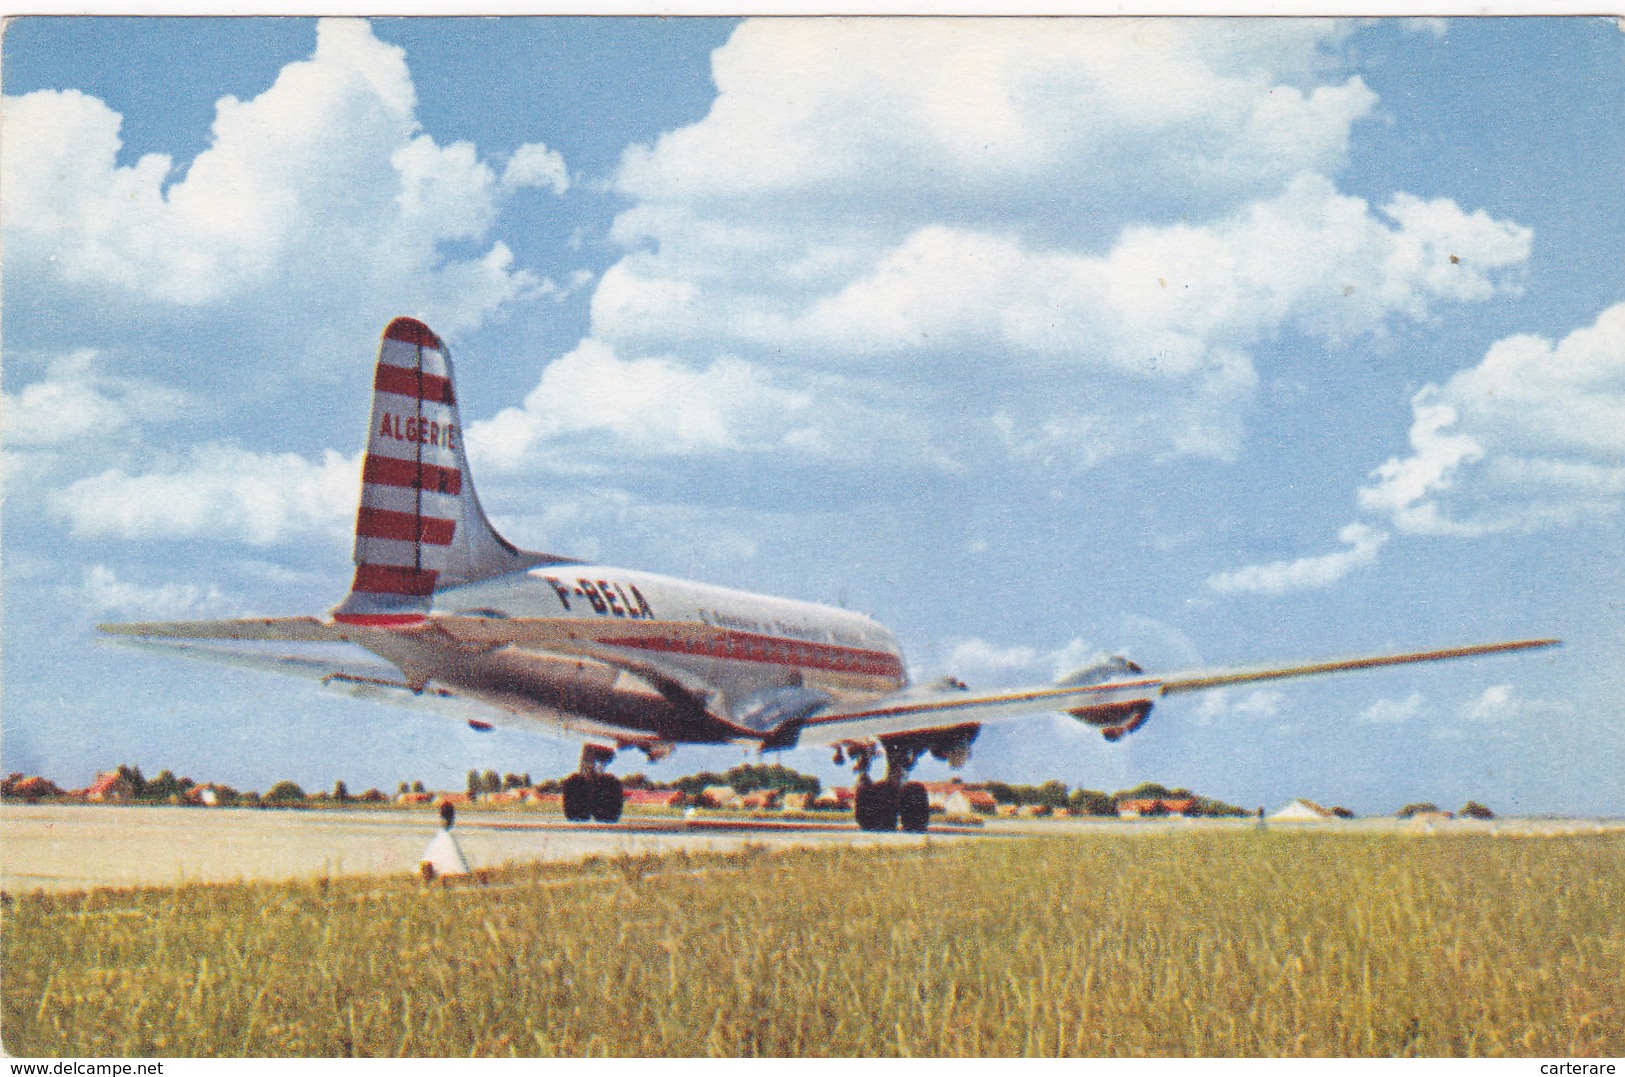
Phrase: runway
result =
(73, 847)
(78, 847)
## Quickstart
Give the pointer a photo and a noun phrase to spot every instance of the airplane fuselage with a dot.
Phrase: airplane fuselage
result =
(640, 658)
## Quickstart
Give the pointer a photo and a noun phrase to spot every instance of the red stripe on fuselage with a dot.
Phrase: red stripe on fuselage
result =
(413, 331)
(749, 647)
(380, 620)
(404, 382)
(388, 471)
(392, 580)
(385, 524)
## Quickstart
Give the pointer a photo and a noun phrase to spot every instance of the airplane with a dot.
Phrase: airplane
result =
(446, 615)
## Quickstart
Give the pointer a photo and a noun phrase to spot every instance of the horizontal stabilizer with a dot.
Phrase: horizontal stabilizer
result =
(248, 628)
(339, 667)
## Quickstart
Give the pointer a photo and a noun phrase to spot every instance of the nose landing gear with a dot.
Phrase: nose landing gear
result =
(591, 792)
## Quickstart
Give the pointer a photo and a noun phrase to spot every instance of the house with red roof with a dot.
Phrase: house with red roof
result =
(655, 798)
(111, 788)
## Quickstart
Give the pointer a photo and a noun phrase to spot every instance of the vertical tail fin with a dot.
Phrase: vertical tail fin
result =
(420, 528)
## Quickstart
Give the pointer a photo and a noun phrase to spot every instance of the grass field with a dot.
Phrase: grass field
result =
(1201, 943)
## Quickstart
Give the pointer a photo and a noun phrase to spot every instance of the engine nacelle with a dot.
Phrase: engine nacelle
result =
(1117, 719)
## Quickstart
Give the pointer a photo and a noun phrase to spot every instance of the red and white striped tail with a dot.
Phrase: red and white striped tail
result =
(420, 528)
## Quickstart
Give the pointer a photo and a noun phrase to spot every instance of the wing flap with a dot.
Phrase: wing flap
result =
(909, 712)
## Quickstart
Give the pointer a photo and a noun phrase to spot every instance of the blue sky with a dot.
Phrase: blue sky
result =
(1210, 343)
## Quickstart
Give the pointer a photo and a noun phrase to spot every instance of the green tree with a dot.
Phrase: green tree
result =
(1425, 807)
(341, 792)
(1091, 802)
(1149, 791)
(1001, 792)
(475, 785)
(691, 784)
(417, 787)
(1051, 794)
(165, 787)
(1214, 808)
(285, 792)
(1474, 810)
(492, 782)
(132, 774)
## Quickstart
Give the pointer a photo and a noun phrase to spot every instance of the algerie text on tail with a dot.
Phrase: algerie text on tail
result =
(420, 527)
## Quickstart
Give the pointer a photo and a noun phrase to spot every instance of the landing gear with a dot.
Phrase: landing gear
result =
(591, 793)
(914, 808)
(881, 806)
(607, 798)
(876, 805)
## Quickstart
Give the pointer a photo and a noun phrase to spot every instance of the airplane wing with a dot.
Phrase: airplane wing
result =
(1117, 704)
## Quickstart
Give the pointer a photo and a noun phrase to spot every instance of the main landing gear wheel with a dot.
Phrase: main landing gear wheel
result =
(876, 806)
(578, 789)
(881, 805)
(914, 808)
(606, 798)
(589, 793)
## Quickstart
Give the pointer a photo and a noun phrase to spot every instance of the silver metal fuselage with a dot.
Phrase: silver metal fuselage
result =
(637, 658)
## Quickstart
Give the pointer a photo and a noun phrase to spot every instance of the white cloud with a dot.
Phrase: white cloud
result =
(860, 107)
(1531, 437)
(648, 405)
(1503, 703)
(1305, 573)
(978, 660)
(534, 165)
(1395, 711)
(1430, 25)
(102, 593)
(977, 656)
(1257, 705)
(222, 493)
(319, 198)
(76, 403)
(919, 202)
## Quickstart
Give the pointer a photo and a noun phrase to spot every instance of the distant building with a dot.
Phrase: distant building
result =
(798, 801)
(841, 796)
(718, 796)
(760, 799)
(954, 797)
(1140, 807)
(969, 801)
(111, 788)
(413, 798)
(655, 798)
(1302, 810)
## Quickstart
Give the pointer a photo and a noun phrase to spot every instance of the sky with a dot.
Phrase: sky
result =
(1207, 343)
